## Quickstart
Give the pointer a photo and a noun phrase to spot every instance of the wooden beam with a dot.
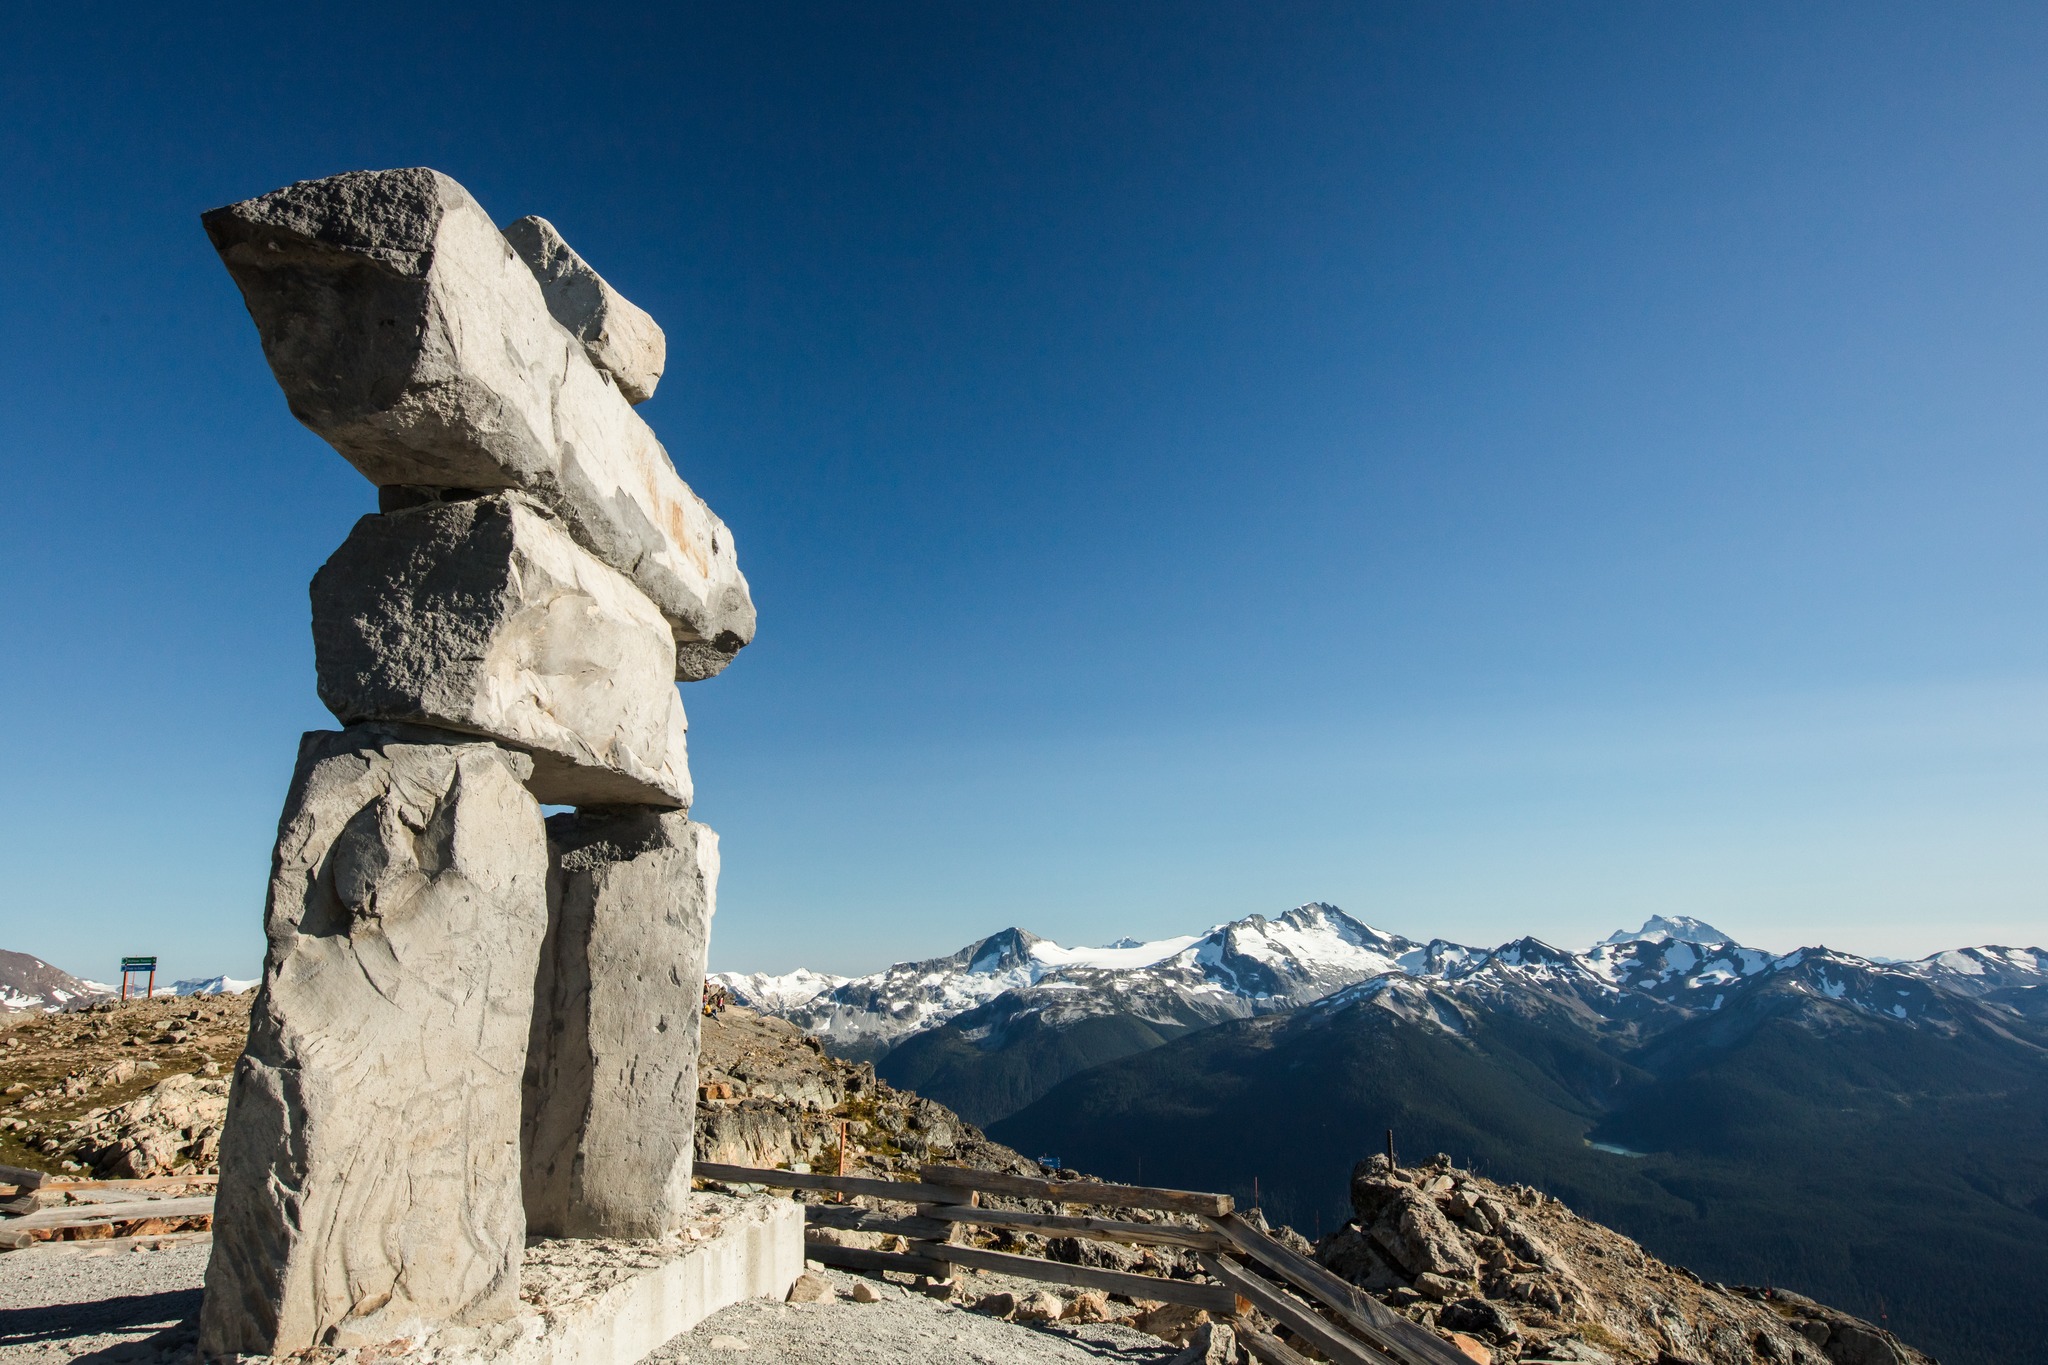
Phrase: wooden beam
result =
(859, 1258)
(1405, 1341)
(854, 1218)
(155, 1182)
(1080, 1191)
(21, 1178)
(908, 1191)
(82, 1215)
(1217, 1300)
(1096, 1229)
(1299, 1318)
(1270, 1349)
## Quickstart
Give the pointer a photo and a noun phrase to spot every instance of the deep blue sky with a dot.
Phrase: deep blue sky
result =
(1500, 468)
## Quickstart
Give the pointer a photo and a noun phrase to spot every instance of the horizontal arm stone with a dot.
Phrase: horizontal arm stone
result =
(408, 333)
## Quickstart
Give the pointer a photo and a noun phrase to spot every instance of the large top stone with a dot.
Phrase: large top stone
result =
(407, 332)
(620, 338)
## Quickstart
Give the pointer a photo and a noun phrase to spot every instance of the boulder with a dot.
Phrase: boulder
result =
(1041, 1305)
(611, 1075)
(1420, 1239)
(1213, 1343)
(619, 338)
(1173, 1323)
(369, 1182)
(484, 616)
(406, 331)
(812, 1288)
(1852, 1343)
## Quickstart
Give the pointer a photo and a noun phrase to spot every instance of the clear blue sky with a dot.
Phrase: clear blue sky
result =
(1500, 468)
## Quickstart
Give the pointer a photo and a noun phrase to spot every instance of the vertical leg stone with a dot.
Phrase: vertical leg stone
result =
(611, 1078)
(370, 1181)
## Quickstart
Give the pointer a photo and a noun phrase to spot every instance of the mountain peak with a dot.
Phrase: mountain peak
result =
(1671, 929)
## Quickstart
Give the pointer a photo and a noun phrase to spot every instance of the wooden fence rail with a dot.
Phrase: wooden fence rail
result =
(1344, 1323)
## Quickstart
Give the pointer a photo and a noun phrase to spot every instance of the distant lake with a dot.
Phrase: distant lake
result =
(1610, 1147)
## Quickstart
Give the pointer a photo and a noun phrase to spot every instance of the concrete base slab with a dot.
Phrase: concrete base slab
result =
(611, 1301)
(595, 1302)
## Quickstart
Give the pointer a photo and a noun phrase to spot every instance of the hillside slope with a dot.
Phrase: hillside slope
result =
(1798, 1136)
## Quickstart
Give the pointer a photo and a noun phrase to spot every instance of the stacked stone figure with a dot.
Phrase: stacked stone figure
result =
(474, 1024)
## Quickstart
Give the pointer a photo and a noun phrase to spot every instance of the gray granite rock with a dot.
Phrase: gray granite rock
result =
(611, 1076)
(484, 616)
(406, 331)
(370, 1180)
(620, 338)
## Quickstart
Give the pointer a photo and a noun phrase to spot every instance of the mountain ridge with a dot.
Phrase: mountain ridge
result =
(989, 1027)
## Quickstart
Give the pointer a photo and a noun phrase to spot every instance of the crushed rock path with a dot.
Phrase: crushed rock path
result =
(98, 1301)
(904, 1328)
(77, 1303)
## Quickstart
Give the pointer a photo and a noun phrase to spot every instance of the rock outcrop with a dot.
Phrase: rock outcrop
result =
(1522, 1277)
(484, 616)
(173, 1128)
(611, 1079)
(370, 1165)
(410, 335)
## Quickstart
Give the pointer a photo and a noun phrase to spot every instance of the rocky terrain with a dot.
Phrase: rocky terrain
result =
(119, 1090)
(1506, 1271)
(1516, 1270)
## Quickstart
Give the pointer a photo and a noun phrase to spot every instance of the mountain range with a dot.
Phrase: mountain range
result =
(1873, 1133)
(990, 1028)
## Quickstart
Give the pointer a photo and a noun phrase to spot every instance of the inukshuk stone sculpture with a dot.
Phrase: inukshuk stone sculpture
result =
(473, 1024)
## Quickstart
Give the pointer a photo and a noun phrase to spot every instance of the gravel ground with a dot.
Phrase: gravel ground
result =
(903, 1329)
(103, 1303)
(99, 1301)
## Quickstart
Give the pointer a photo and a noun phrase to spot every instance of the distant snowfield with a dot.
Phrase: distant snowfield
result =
(211, 985)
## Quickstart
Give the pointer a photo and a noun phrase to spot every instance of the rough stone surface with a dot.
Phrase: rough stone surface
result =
(620, 338)
(1214, 1343)
(483, 615)
(370, 1163)
(407, 332)
(611, 1078)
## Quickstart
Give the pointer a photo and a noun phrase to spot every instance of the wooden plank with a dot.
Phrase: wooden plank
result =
(908, 1191)
(1270, 1349)
(22, 1178)
(859, 1258)
(1405, 1341)
(1096, 1229)
(80, 1215)
(1080, 1191)
(1209, 1296)
(1299, 1318)
(154, 1182)
(854, 1218)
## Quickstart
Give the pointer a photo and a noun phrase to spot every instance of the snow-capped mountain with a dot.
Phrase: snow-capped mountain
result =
(1249, 966)
(1015, 983)
(29, 983)
(211, 985)
(1672, 929)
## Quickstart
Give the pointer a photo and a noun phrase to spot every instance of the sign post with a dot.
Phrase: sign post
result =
(136, 966)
